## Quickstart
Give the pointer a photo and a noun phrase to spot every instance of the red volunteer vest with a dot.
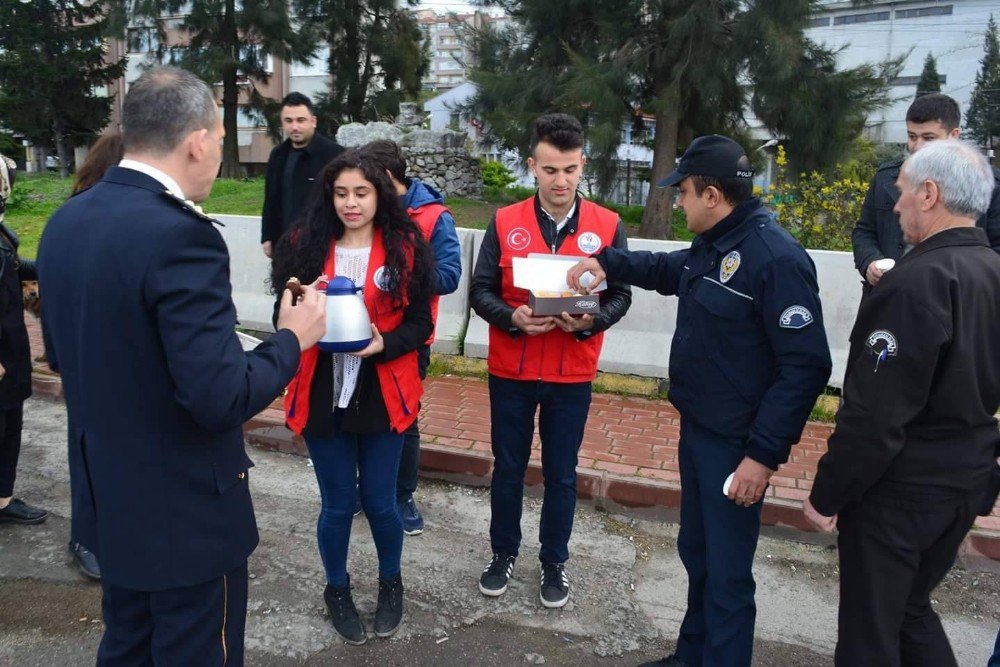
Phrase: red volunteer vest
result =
(399, 380)
(426, 217)
(556, 356)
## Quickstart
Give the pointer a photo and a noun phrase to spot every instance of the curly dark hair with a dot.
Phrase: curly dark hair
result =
(302, 250)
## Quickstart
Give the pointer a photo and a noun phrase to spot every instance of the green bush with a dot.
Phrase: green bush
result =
(496, 174)
(819, 210)
(506, 195)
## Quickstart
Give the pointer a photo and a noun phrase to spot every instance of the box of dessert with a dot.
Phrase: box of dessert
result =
(544, 276)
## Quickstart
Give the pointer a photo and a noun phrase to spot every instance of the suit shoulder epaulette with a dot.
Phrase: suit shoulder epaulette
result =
(190, 207)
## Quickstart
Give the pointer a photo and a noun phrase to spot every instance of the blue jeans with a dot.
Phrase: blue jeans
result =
(995, 660)
(343, 462)
(562, 416)
(716, 543)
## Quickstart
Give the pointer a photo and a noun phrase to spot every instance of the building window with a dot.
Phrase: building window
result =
(860, 18)
(318, 66)
(142, 40)
(944, 10)
(821, 22)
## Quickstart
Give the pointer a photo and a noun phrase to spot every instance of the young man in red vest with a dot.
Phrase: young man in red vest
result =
(426, 207)
(543, 364)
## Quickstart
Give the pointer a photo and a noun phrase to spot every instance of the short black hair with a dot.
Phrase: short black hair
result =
(162, 107)
(388, 154)
(297, 100)
(735, 190)
(935, 107)
(559, 129)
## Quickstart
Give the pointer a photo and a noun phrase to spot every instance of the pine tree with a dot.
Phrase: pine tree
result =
(983, 118)
(227, 41)
(377, 56)
(53, 60)
(697, 66)
(930, 80)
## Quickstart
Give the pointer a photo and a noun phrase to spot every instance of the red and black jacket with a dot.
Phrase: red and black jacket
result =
(388, 392)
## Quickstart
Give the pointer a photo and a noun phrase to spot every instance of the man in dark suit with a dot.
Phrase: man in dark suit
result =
(292, 168)
(878, 234)
(140, 322)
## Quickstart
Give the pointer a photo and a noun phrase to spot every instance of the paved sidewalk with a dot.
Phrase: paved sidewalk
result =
(628, 459)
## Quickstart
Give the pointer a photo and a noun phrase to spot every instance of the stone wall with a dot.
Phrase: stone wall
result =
(438, 158)
(451, 170)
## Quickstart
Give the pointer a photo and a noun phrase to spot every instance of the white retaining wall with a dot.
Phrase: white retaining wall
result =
(639, 344)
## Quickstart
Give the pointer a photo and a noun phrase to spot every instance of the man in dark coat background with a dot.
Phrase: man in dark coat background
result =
(292, 168)
(139, 321)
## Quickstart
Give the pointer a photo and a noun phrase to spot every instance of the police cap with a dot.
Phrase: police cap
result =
(712, 155)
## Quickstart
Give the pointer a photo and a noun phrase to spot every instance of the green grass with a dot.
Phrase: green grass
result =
(36, 196)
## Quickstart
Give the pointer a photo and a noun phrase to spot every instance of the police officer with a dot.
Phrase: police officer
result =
(915, 446)
(930, 118)
(539, 363)
(748, 359)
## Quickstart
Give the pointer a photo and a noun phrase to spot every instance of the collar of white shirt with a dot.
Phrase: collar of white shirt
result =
(151, 171)
(561, 223)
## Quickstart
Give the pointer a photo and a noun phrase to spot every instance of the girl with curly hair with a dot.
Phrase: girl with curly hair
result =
(353, 408)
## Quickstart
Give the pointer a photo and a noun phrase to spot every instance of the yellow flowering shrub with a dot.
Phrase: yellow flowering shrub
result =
(819, 210)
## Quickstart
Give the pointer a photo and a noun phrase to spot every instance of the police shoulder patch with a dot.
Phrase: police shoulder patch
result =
(795, 317)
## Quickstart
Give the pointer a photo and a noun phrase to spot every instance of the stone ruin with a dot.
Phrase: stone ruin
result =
(437, 158)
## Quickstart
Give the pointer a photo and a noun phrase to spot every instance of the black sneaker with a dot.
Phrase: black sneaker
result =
(18, 511)
(344, 614)
(493, 581)
(389, 613)
(667, 661)
(553, 589)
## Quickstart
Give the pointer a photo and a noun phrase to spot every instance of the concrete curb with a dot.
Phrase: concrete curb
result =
(639, 497)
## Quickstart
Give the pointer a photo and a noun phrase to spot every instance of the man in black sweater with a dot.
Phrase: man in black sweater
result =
(914, 451)
(292, 168)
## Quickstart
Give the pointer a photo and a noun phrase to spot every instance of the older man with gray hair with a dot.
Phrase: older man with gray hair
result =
(913, 456)
(140, 322)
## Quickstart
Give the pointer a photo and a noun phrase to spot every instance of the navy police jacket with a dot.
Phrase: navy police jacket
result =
(139, 320)
(749, 354)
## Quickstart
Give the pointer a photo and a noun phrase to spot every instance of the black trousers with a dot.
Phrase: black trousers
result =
(409, 463)
(11, 420)
(195, 625)
(893, 552)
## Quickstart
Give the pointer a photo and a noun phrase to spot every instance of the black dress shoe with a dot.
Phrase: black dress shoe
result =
(19, 511)
(86, 559)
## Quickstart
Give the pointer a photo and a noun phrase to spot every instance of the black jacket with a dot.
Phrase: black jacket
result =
(484, 292)
(878, 233)
(15, 353)
(923, 380)
(314, 157)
